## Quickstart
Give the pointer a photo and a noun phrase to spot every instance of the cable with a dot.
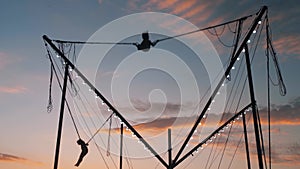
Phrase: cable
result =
(50, 104)
(93, 43)
(57, 78)
(159, 40)
(281, 84)
(108, 138)
(268, 96)
(206, 28)
(100, 128)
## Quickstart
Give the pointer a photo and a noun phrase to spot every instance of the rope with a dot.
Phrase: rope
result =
(159, 40)
(50, 104)
(93, 43)
(108, 138)
(280, 83)
(60, 86)
(100, 128)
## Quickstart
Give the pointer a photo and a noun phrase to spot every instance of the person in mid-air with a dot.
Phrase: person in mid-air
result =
(146, 43)
(84, 151)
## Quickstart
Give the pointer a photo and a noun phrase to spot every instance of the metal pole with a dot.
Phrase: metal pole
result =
(254, 110)
(61, 116)
(246, 142)
(170, 149)
(121, 146)
(233, 60)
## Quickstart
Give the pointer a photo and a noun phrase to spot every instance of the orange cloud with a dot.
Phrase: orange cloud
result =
(13, 90)
(183, 6)
(167, 4)
(12, 158)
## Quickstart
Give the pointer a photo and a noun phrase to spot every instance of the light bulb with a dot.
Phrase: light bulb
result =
(233, 68)
(243, 50)
(254, 31)
(248, 41)
(57, 56)
(238, 59)
(259, 22)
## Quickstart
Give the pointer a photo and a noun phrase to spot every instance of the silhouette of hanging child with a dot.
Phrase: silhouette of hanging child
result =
(146, 43)
(84, 151)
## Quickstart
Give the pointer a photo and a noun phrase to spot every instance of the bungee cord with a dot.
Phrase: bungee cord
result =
(158, 40)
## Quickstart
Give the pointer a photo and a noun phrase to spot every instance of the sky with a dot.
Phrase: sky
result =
(28, 132)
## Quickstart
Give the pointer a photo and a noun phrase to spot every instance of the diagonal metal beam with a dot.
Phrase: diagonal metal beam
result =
(211, 135)
(110, 106)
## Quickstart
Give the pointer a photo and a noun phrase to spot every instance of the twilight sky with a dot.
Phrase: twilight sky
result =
(28, 132)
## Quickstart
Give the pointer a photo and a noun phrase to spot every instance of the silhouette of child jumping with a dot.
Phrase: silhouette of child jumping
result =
(146, 43)
(84, 151)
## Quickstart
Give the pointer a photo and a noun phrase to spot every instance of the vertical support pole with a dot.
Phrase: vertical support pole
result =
(254, 110)
(170, 149)
(121, 147)
(269, 99)
(246, 142)
(61, 116)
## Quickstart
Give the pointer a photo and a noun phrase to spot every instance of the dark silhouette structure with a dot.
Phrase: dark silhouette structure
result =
(84, 151)
(146, 43)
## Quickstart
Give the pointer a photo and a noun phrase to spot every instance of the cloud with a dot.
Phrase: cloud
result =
(286, 114)
(281, 115)
(5, 60)
(100, 1)
(288, 46)
(13, 90)
(13, 158)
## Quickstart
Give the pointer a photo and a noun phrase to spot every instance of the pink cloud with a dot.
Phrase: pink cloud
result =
(13, 90)
(100, 1)
(16, 159)
(166, 4)
(4, 60)
(288, 45)
(183, 6)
